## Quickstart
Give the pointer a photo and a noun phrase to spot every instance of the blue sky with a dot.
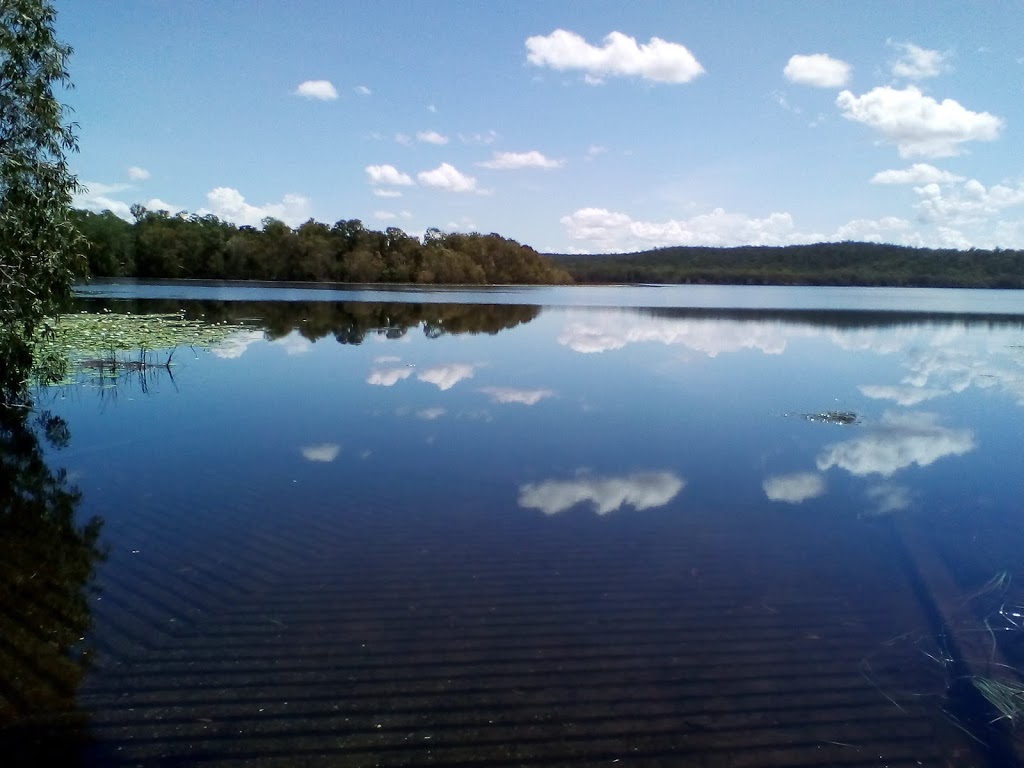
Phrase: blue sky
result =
(570, 126)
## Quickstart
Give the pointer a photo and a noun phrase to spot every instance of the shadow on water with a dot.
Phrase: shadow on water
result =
(48, 562)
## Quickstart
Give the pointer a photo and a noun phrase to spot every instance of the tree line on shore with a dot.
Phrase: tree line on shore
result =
(161, 245)
(846, 263)
(158, 244)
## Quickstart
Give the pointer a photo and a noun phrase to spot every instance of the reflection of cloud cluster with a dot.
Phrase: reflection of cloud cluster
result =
(447, 376)
(794, 488)
(710, 337)
(640, 490)
(510, 395)
(387, 377)
(889, 498)
(902, 439)
(429, 414)
(322, 452)
(905, 395)
(235, 345)
(294, 344)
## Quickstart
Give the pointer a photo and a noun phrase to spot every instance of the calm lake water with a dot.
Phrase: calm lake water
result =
(589, 526)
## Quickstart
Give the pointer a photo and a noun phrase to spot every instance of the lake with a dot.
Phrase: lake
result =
(537, 526)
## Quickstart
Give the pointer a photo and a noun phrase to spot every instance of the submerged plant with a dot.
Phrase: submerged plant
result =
(1007, 699)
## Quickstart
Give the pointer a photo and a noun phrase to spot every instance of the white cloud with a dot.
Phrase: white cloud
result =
(523, 396)
(387, 174)
(489, 137)
(795, 488)
(657, 60)
(594, 150)
(384, 215)
(899, 441)
(388, 377)
(970, 203)
(901, 395)
(135, 173)
(918, 173)
(431, 137)
(430, 414)
(447, 177)
(387, 193)
(229, 204)
(362, 90)
(294, 344)
(445, 377)
(888, 229)
(918, 124)
(322, 90)
(817, 69)
(387, 359)
(607, 230)
(916, 63)
(640, 490)
(324, 452)
(514, 160)
(404, 139)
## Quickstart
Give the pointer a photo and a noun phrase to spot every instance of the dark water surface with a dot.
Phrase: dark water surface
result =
(713, 526)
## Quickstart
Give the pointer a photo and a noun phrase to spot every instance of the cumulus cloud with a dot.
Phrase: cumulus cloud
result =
(918, 173)
(970, 203)
(386, 193)
(322, 90)
(888, 229)
(362, 90)
(899, 441)
(447, 177)
(918, 124)
(640, 490)
(620, 55)
(511, 395)
(135, 173)
(431, 137)
(505, 161)
(487, 137)
(817, 69)
(612, 231)
(388, 377)
(916, 63)
(229, 204)
(447, 376)
(293, 344)
(387, 174)
(324, 452)
(795, 488)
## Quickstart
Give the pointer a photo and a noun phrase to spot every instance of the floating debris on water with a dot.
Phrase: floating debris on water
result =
(844, 418)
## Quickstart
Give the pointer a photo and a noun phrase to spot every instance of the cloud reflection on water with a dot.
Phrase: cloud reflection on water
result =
(445, 377)
(512, 395)
(899, 441)
(794, 488)
(640, 490)
(323, 452)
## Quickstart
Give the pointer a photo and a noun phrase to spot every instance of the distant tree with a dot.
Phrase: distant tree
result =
(40, 247)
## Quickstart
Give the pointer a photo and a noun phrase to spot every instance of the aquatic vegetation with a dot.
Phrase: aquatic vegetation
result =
(106, 340)
(1007, 699)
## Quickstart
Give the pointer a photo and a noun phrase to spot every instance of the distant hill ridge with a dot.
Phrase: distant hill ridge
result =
(846, 263)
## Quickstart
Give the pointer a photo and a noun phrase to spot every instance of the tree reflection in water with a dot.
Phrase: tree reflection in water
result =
(47, 568)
